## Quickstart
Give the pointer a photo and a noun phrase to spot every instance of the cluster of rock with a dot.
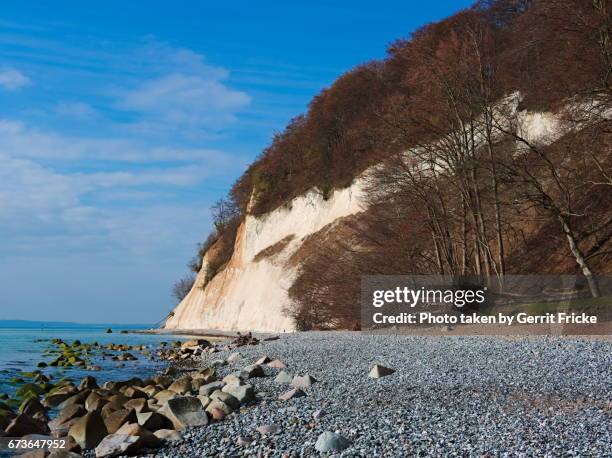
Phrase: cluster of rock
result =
(181, 351)
(77, 354)
(127, 417)
(196, 348)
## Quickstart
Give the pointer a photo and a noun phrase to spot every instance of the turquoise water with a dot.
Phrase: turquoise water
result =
(21, 349)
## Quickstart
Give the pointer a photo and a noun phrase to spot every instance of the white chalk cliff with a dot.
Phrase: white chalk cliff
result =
(249, 294)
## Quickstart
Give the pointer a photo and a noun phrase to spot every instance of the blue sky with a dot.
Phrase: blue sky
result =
(121, 124)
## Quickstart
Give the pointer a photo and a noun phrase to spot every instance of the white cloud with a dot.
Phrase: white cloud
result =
(12, 79)
(20, 140)
(46, 196)
(185, 92)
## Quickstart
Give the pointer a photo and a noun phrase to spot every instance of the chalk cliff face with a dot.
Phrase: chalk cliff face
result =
(251, 291)
(249, 294)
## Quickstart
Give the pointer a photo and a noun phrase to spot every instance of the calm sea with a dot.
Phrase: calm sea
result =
(21, 349)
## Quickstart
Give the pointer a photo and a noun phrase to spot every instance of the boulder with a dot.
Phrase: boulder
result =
(233, 378)
(169, 435)
(118, 418)
(23, 424)
(134, 393)
(294, 393)
(195, 343)
(94, 402)
(209, 388)
(55, 399)
(150, 390)
(147, 438)
(379, 371)
(303, 382)
(118, 399)
(276, 364)
(89, 430)
(217, 414)
(153, 421)
(164, 395)
(139, 405)
(198, 382)
(331, 442)
(116, 445)
(263, 360)
(88, 383)
(62, 429)
(205, 400)
(181, 386)
(283, 378)
(243, 393)
(70, 412)
(254, 370)
(219, 405)
(227, 398)
(109, 408)
(208, 372)
(32, 406)
(185, 411)
(78, 398)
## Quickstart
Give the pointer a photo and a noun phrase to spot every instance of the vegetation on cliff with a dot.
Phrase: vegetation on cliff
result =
(459, 188)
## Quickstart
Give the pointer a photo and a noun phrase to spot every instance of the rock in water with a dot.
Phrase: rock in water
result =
(24, 424)
(88, 383)
(89, 430)
(328, 442)
(379, 371)
(185, 411)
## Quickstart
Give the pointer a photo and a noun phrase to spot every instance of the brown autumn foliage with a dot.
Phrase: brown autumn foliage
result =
(473, 196)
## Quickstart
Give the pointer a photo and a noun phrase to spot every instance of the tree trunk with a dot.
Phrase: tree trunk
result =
(579, 257)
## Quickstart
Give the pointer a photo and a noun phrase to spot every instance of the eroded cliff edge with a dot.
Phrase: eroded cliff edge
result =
(250, 292)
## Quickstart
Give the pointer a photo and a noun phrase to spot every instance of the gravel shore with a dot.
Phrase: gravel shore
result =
(449, 396)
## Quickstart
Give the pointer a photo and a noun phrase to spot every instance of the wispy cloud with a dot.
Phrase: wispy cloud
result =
(21, 140)
(189, 93)
(12, 79)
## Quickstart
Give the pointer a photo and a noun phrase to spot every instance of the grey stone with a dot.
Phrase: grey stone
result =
(331, 442)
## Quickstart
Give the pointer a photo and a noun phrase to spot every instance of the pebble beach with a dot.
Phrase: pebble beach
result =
(448, 396)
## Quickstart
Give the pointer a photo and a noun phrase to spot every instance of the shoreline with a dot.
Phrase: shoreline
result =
(465, 376)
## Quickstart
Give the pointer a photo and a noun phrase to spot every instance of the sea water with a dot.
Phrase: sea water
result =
(21, 350)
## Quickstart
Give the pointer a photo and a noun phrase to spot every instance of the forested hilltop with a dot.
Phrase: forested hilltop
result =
(454, 184)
